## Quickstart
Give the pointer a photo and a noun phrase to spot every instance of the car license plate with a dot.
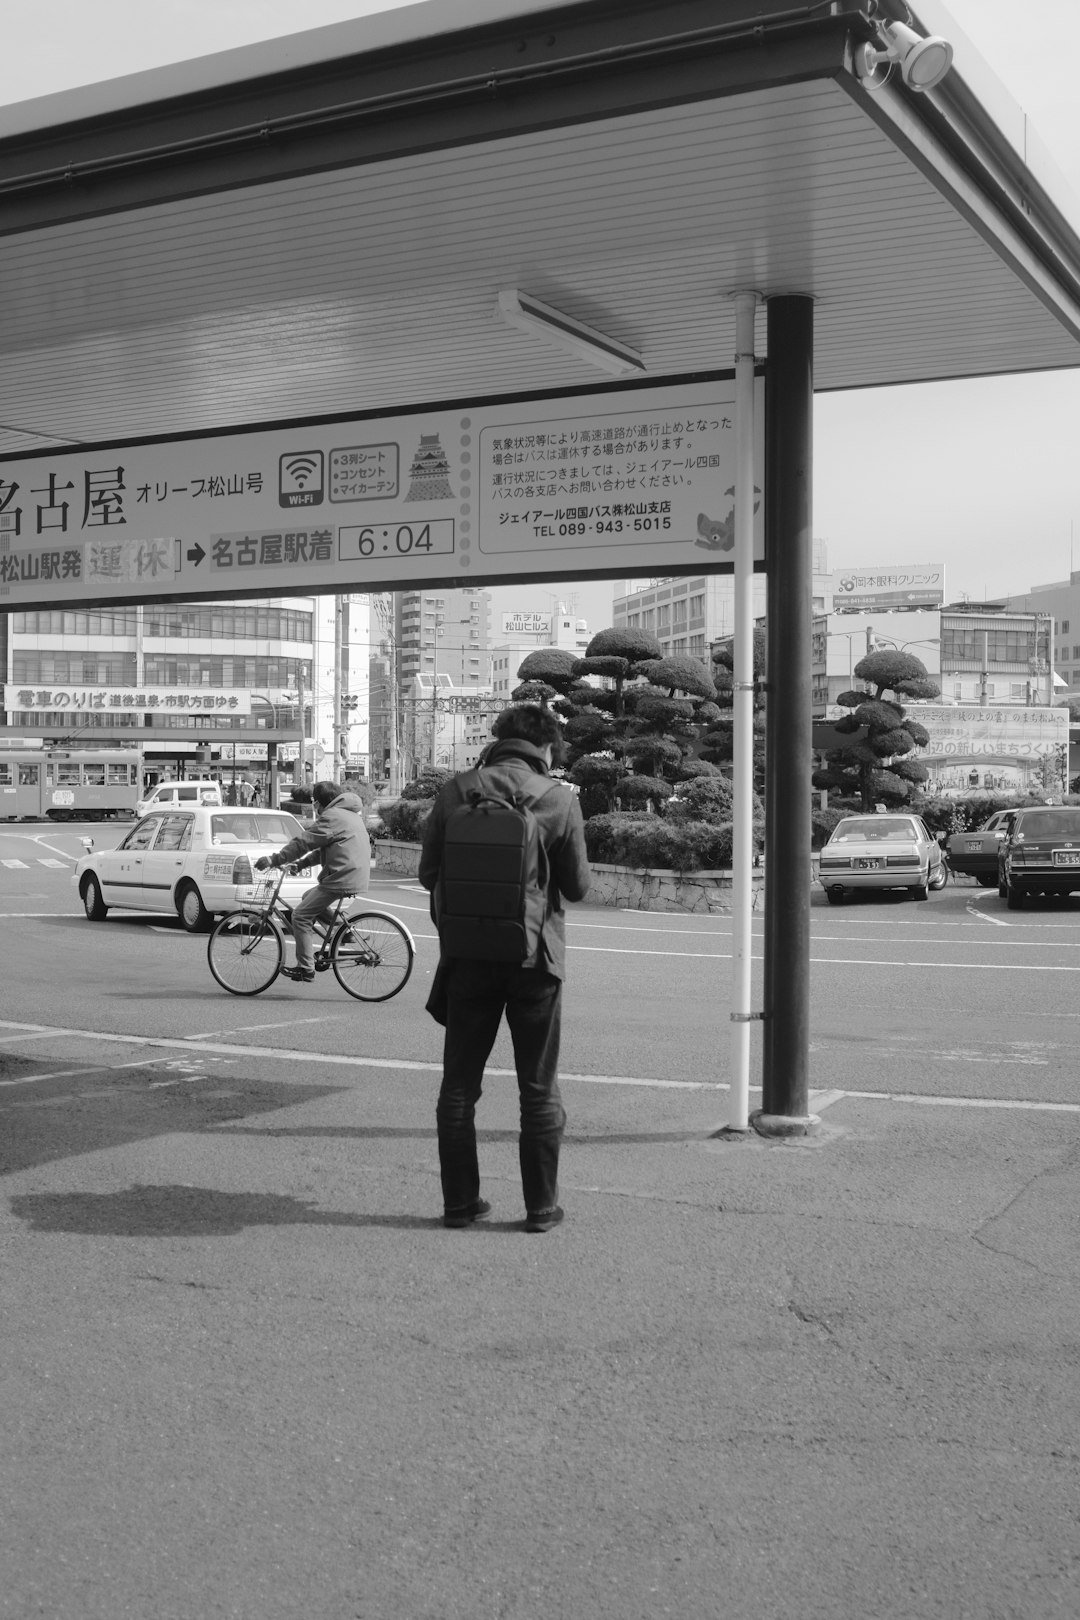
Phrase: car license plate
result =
(869, 863)
(1067, 857)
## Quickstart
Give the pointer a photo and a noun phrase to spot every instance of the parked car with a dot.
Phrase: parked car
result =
(976, 853)
(1040, 854)
(168, 795)
(891, 851)
(197, 861)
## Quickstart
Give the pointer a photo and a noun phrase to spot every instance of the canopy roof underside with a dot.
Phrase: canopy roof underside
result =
(372, 285)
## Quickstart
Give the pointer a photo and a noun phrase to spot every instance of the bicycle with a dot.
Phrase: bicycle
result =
(371, 954)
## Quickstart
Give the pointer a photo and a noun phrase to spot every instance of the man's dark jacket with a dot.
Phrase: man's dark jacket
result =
(505, 767)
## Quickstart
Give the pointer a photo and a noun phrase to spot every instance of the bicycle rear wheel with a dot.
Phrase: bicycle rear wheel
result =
(372, 956)
(245, 952)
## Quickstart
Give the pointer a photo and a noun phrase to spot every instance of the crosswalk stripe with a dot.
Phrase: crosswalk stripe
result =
(42, 861)
(23, 864)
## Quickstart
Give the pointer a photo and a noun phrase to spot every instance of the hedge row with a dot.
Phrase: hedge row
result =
(622, 839)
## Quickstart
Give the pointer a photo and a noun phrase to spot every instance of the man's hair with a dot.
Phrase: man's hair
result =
(325, 793)
(532, 723)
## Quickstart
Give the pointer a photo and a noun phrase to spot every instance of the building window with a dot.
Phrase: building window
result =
(1064, 627)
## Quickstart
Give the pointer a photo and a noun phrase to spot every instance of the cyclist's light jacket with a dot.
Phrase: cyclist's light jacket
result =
(339, 839)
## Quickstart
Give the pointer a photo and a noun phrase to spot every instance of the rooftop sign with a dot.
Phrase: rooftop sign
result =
(587, 483)
(892, 585)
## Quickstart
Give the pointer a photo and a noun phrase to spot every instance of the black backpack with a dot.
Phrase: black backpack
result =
(491, 898)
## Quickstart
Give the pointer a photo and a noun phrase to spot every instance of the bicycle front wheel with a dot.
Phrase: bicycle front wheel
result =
(372, 956)
(245, 952)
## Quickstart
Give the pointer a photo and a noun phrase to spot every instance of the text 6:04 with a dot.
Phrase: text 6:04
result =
(406, 538)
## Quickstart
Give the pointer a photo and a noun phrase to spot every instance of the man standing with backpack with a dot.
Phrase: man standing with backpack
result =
(503, 846)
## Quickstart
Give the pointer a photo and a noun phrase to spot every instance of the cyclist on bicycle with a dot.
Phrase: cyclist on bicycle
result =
(337, 838)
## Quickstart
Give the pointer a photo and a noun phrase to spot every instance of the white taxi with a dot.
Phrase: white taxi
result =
(197, 862)
(881, 852)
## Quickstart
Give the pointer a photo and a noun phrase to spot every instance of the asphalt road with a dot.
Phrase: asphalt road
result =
(246, 1373)
(954, 997)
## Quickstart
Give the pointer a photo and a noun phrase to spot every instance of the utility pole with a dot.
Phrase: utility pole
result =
(301, 762)
(338, 692)
(435, 691)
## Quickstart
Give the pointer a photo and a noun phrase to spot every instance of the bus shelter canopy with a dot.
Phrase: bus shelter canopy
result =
(323, 224)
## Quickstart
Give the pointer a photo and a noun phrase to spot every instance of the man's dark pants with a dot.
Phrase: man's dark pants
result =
(478, 993)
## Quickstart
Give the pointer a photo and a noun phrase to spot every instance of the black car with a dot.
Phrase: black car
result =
(1040, 854)
(976, 853)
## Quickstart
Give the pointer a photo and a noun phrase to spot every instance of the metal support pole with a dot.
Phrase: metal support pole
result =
(789, 407)
(742, 842)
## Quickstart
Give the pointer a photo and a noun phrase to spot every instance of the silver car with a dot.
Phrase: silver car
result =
(890, 851)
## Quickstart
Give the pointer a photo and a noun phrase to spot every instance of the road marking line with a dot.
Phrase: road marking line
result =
(964, 1102)
(971, 908)
(23, 864)
(44, 860)
(245, 1029)
(38, 839)
(287, 1054)
(65, 1074)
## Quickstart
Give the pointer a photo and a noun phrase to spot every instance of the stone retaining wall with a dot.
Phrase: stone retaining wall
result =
(623, 886)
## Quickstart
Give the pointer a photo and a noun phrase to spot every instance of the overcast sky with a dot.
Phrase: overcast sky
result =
(981, 475)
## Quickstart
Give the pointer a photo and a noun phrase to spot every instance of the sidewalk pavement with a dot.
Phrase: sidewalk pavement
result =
(247, 1373)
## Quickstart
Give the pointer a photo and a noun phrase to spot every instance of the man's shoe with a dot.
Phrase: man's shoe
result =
(469, 1213)
(299, 974)
(542, 1220)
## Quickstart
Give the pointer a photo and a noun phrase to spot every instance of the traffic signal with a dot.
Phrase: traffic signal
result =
(349, 700)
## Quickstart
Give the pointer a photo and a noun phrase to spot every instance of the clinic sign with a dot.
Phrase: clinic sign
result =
(587, 484)
(77, 700)
(901, 585)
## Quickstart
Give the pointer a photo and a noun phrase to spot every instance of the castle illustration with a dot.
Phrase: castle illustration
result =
(429, 475)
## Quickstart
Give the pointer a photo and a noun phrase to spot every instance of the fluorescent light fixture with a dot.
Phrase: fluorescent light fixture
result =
(563, 332)
(923, 62)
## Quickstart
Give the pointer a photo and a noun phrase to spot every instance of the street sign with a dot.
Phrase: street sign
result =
(599, 484)
(39, 696)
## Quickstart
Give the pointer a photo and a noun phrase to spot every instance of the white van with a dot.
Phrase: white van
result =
(168, 795)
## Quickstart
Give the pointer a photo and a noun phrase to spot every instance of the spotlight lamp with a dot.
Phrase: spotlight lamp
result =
(923, 62)
(563, 332)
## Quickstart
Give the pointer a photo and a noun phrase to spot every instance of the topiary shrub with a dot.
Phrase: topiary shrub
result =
(822, 823)
(405, 820)
(427, 784)
(635, 792)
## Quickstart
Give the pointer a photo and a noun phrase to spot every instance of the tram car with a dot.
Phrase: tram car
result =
(69, 784)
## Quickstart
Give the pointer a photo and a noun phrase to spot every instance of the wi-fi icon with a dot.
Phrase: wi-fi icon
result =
(302, 468)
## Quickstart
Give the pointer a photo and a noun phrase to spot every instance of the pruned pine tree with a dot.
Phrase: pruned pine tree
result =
(878, 765)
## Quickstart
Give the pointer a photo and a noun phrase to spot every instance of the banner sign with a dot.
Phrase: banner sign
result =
(638, 480)
(1018, 731)
(193, 700)
(892, 586)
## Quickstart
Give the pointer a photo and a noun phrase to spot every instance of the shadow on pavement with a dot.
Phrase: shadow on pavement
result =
(176, 1211)
(62, 1117)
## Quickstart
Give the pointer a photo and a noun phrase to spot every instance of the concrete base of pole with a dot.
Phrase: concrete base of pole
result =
(730, 1133)
(784, 1124)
